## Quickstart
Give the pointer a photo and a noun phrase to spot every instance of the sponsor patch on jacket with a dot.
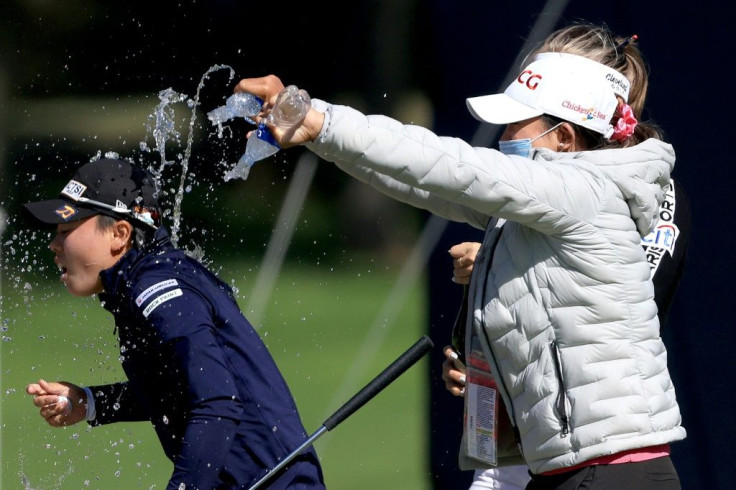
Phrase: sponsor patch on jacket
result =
(664, 237)
(160, 286)
(161, 300)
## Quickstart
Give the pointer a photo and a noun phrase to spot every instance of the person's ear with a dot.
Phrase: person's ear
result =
(566, 138)
(122, 234)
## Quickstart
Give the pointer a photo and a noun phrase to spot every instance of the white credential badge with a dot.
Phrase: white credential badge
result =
(481, 407)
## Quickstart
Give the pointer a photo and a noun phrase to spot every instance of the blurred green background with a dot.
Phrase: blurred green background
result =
(322, 329)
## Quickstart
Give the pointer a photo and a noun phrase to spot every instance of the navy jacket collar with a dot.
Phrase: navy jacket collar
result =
(114, 278)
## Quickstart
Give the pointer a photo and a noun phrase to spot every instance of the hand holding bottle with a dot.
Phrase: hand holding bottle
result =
(269, 88)
(288, 110)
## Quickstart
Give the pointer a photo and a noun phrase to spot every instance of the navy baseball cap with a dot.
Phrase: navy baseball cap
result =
(107, 186)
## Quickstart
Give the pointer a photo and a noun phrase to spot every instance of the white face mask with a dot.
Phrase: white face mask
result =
(522, 147)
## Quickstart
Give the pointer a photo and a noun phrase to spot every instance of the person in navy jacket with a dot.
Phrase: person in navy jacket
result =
(196, 368)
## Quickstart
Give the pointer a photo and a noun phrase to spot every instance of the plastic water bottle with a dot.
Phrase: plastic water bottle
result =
(290, 108)
(259, 146)
(241, 104)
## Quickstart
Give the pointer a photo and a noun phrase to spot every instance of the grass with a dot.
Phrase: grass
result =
(323, 327)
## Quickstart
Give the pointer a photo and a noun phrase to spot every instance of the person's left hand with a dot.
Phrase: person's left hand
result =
(453, 372)
(60, 404)
(463, 259)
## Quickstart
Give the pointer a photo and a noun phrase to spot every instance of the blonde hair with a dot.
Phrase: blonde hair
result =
(599, 44)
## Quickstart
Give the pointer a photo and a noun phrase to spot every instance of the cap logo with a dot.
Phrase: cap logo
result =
(529, 78)
(571, 87)
(66, 212)
(74, 190)
(120, 204)
(619, 85)
(588, 113)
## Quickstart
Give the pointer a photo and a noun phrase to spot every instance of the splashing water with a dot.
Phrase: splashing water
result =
(162, 125)
(24, 481)
(27, 485)
(163, 129)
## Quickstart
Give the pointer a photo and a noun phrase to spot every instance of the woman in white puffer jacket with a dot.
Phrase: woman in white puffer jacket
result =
(561, 310)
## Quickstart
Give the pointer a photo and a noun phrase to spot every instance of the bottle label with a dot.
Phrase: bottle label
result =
(262, 133)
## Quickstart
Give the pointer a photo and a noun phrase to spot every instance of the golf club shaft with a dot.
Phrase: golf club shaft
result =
(386, 377)
(296, 452)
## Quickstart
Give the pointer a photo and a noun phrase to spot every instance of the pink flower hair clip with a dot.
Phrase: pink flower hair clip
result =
(625, 125)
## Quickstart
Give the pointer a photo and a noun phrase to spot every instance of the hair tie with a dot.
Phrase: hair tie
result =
(624, 127)
(619, 48)
(626, 42)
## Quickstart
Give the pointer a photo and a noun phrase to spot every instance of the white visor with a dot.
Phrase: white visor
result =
(571, 87)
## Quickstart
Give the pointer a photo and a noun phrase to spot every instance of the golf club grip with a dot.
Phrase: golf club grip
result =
(388, 375)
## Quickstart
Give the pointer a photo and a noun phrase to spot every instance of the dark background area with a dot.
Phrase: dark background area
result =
(382, 56)
(686, 45)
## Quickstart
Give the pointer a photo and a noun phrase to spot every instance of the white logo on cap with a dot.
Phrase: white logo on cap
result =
(120, 204)
(74, 189)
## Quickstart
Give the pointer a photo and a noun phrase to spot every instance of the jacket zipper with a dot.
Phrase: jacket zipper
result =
(561, 402)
